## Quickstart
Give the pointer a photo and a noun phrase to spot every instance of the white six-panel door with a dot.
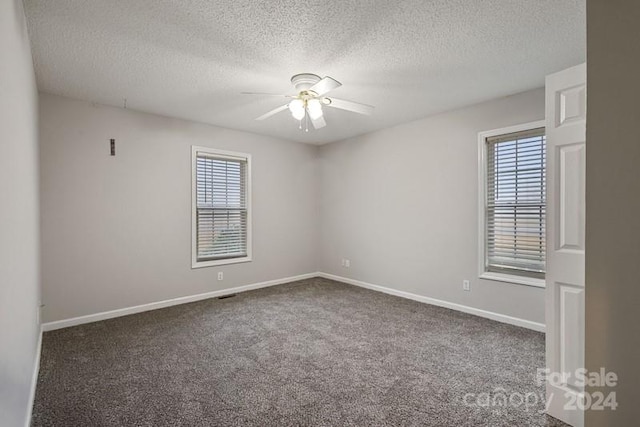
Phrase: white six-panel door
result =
(566, 104)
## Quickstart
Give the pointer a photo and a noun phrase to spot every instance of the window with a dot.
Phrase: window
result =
(514, 204)
(221, 213)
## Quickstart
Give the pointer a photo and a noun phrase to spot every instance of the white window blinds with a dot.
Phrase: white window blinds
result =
(515, 206)
(221, 207)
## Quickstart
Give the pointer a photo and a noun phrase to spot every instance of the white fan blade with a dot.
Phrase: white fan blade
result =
(268, 94)
(319, 122)
(272, 112)
(356, 107)
(325, 85)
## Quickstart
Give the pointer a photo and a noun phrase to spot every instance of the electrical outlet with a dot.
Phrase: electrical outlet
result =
(220, 275)
(466, 285)
(343, 262)
(347, 263)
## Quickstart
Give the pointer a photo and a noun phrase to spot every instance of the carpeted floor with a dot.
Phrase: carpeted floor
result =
(314, 352)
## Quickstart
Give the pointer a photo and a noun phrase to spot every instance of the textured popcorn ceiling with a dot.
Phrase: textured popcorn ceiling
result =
(192, 58)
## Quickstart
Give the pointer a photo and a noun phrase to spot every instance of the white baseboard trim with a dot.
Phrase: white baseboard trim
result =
(66, 323)
(540, 327)
(59, 324)
(34, 379)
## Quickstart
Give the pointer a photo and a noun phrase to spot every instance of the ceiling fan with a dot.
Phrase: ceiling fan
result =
(310, 99)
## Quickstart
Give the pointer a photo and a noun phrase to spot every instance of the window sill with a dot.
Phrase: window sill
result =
(512, 278)
(219, 262)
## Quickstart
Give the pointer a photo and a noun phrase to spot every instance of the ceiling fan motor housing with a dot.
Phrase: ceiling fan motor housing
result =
(304, 81)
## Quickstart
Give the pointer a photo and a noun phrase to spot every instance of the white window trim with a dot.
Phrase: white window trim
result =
(194, 250)
(482, 202)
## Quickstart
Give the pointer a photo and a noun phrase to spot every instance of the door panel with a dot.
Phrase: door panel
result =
(571, 173)
(566, 105)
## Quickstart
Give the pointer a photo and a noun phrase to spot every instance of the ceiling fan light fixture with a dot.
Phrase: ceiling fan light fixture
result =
(314, 107)
(307, 105)
(297, 109)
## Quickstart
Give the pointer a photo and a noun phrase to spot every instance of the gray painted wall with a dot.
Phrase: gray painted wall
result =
(613, 203)
(116, 231)
(401, 204)
(19, 217)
